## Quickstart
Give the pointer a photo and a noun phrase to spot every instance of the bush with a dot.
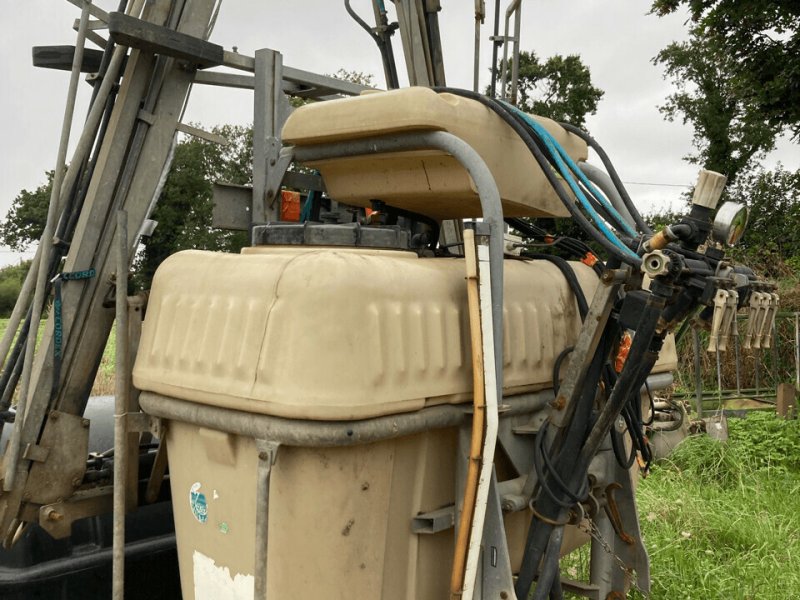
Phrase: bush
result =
(11, 278)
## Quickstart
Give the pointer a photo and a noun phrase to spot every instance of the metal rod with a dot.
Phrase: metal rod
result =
(737, 356)
(12, 457)
(504, 64)
(515, 56)
(495, 47)
(797, 351)
(698, 375)
(479, 16)
(121, 390)
(267, 452)
(327, 434)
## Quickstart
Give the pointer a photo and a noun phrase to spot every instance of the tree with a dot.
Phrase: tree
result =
(184, 208)
(24, 223)
(762, 40)
(773, 198)
(559, 88)
(729, 131)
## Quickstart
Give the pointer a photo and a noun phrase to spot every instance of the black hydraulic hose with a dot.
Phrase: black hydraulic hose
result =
(515, 122)
(557, 367)
(612, 172)
(572, 280)
(549, 571)
(641, 358)
(575, 247)
(388, 67)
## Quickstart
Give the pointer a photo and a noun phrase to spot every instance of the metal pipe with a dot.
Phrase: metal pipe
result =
(603, 180)
(121, 390)
(491, 208)
(495, 43)
(480, 14)
(327, 434)
(267, 452)
(12, 458)
(797, 351)
(515, 57)
(504, 64)
(698, 375)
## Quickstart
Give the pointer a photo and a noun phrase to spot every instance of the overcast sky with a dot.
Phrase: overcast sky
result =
(615, 38)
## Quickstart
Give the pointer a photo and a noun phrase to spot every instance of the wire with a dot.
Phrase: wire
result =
(612, 172)
(566, 158)
(520, 129)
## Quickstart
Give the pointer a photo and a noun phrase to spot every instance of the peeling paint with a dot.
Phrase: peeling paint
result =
(215, 583)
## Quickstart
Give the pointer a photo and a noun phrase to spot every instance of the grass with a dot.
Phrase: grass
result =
(721, 520)
(104, 381)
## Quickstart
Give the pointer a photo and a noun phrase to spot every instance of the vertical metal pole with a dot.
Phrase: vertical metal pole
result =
(267, 452)
(776, 373)
(719, 372)
(698, 376)
(797, 351)
(495, 44)
(44, 253)
(121, 390)
(737, 357)
(480, 11)
(515, 58)
(266, 130)
(757, 357)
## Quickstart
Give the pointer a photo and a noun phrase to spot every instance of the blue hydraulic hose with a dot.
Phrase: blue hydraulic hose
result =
(556, 151)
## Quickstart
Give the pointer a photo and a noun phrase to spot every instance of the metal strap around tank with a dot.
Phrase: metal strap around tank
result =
(305, 432)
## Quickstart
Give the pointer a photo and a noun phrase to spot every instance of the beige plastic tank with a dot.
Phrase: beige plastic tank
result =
(342, 334)
(331, 333)
(428, 182)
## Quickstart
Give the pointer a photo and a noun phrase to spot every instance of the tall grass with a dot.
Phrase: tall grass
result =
(722, 519)
(104, 381)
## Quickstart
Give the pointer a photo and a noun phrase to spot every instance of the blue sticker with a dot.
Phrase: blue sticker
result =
(197, 502)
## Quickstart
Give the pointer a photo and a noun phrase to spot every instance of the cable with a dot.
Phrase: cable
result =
(566, 160)
(612, 172)
(530, 142)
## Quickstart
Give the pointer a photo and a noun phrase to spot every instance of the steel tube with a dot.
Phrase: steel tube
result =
(515, 56)
(12, 457)
(797, 350)
(504, 64)
(491, 208)
(121, 390)
(326, 434)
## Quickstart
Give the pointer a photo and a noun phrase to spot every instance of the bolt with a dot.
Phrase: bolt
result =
(54, 415)
(85, 422)
(272, 162)
(559, 403)
(503, 595)
(365, 486)
(263, 456)
(77, 481)
(52, 514)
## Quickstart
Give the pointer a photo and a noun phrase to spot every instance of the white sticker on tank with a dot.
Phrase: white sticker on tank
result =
(215, 583)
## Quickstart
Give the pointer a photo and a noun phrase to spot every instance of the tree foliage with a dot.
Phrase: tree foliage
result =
(559, 88)
(761, 39)
(184, 208)
(24, 223)
(773, 198)
(729, 131)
